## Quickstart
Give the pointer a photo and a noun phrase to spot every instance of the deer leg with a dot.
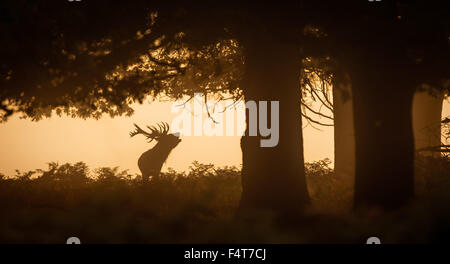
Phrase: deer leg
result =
(145, 178)
(156, 175)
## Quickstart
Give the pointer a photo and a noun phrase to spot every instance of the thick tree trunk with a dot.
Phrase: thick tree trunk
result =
(384, 144)
(427, 112)
(344, 139)
(273, 178)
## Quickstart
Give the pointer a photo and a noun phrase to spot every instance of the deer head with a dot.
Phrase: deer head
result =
(160, 134)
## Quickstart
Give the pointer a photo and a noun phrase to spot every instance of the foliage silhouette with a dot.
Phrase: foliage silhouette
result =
(112, 206)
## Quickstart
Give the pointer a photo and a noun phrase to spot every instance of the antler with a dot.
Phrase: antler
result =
(155, 133)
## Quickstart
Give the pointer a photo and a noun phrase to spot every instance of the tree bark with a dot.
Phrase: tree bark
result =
(344, 139)
(273, 178)
(384, 144)
(427, 112)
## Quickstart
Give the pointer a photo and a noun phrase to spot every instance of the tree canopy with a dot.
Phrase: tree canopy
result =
(88, 58)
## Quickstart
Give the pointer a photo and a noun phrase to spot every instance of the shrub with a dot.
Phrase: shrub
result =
(112, 206)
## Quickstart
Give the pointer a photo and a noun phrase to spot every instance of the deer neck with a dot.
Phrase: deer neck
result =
(162, 150)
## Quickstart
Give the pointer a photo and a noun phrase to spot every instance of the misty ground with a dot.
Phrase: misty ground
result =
(107, 205)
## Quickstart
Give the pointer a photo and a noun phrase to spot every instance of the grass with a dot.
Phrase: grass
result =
(107, 205)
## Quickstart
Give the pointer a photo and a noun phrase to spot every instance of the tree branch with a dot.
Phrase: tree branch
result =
(316, 112)
(315, 122)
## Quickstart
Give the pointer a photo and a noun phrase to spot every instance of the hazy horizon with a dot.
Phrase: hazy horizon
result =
(106, 142)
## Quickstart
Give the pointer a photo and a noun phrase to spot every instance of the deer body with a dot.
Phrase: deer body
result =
(151, 161)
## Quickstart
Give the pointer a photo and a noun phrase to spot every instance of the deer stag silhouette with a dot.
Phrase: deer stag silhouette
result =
(151, 161)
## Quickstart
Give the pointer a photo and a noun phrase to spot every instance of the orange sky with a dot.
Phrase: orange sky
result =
(30, 145)
(27, 145)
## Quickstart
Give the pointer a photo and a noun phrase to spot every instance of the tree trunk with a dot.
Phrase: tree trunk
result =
(344, 139)
(384, 144)
(273, 178)
(427, 112)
